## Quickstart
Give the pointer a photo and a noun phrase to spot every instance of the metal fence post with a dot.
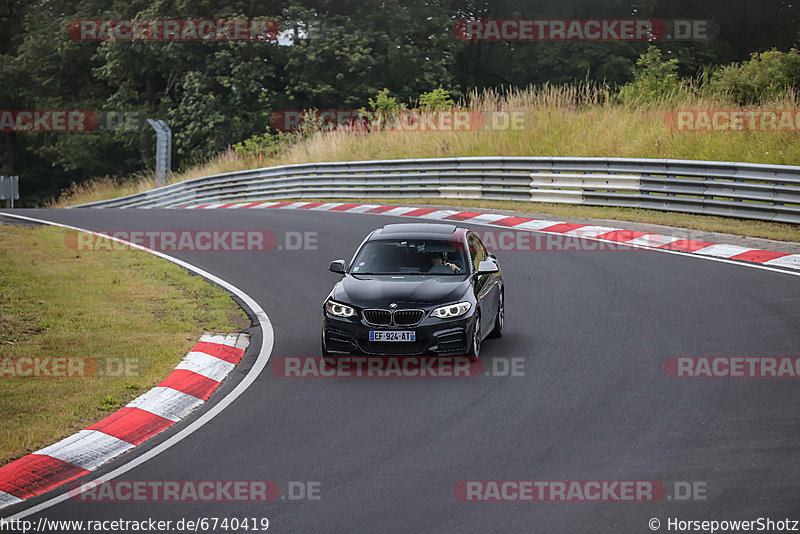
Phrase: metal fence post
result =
(163, 150)
(167, 148)
(9, 188)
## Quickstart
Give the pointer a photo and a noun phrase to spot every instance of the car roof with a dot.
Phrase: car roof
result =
(414, 231)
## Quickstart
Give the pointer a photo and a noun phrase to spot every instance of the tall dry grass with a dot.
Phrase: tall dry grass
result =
(565, 120)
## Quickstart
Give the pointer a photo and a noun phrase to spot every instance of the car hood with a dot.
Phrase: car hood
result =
(369, 291)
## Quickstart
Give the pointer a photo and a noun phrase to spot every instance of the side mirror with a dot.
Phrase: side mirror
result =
(488, 267)
(338, 266)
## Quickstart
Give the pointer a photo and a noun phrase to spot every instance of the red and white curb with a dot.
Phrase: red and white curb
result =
(187, 387)
(645, 240)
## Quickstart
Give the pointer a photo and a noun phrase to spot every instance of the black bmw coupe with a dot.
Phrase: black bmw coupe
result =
(414, 289)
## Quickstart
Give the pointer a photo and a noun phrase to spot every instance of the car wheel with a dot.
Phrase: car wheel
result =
(500, 318)
(475, 344)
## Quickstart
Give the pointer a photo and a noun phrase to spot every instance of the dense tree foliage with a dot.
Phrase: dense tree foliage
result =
(333, 54)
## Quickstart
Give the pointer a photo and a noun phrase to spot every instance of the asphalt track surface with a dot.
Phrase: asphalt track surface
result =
(593, 329)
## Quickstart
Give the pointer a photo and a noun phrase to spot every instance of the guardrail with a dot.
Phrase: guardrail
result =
(741, 190)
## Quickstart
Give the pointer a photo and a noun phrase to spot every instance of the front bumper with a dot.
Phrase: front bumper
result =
(342, 337)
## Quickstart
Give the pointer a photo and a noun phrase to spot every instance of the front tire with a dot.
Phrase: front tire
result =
(500, 318)
(474, 351)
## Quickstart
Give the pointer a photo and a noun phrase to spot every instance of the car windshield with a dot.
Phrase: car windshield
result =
(411, 257)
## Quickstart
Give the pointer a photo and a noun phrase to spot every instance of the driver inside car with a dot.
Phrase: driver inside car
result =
(437, 259)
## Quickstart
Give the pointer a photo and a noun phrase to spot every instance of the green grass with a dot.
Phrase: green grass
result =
(126, 310)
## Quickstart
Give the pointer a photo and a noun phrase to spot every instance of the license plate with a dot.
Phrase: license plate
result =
(392, 335)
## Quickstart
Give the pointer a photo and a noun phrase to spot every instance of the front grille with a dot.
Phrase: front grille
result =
(408, 317)
(378, 317)
(396, 317)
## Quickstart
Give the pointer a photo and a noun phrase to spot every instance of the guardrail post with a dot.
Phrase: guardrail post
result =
(163, 150)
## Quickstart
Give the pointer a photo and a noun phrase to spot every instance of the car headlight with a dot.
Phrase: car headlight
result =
(338, 309)
(451, 310)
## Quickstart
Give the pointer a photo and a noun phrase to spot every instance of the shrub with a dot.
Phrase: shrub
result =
(436, 100)
(765, 76)
(384, 102)
(654, 77)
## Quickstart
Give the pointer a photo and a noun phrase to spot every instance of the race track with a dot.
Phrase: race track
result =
(593, 331)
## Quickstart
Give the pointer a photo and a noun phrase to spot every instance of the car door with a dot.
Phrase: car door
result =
(483, 284)
(495, 281)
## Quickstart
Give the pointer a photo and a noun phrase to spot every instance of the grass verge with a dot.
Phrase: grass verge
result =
(134, 314)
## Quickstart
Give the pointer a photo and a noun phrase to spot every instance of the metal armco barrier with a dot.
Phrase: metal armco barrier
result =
(741, 190)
